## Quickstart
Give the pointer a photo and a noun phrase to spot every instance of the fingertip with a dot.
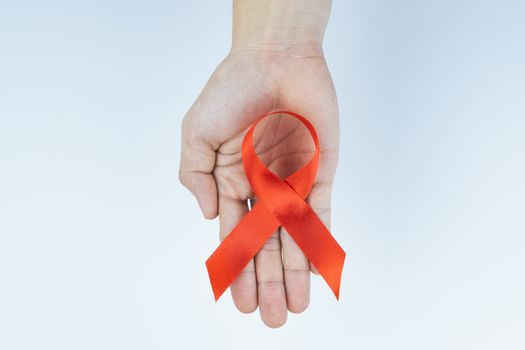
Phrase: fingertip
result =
(275, 322)
(208, 212)
(272, 303)
(244, 290)
(297, 290)
(208, 208)
(245, 307)
(206, 194)
(298, 308)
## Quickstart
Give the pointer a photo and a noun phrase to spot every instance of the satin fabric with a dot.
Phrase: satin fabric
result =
(281, 202)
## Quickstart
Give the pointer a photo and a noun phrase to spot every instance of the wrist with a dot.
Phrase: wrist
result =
(280, 27)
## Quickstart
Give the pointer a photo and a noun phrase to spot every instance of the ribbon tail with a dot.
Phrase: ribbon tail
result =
(319, 246)
(239, 247)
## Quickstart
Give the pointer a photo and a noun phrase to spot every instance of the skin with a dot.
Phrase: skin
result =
(277, 64)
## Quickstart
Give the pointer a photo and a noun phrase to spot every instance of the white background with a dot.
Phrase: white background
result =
(101, 248)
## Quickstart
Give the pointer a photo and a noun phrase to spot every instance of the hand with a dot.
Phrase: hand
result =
(247, 84)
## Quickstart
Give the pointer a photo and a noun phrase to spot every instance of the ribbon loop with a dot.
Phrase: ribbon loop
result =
(282, 203)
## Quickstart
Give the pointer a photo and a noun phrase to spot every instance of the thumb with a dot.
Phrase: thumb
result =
(196, 166)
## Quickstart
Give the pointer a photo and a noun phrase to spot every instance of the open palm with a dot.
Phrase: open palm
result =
(246, 85)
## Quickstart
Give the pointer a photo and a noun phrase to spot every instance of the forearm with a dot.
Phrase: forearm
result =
(280, 25)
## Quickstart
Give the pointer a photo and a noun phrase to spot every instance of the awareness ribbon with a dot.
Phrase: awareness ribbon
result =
(281, 202)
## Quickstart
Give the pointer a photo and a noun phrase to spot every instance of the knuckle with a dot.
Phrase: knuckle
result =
(272, 244)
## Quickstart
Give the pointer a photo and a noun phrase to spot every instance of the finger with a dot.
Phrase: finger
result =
(319, 200)
(270, 282)
(244, 288)
(196, 165)
(296, 274)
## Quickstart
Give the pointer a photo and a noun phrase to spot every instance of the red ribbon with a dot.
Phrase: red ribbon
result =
(280, 203)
